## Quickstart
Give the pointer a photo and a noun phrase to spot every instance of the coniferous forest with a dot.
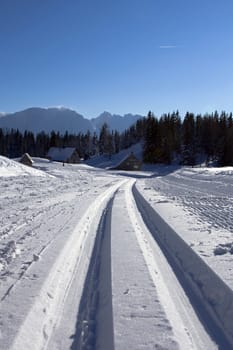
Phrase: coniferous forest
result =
(194, 139)
(170, 138)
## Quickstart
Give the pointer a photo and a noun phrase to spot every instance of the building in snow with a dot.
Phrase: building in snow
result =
(26, 160)
(129, 163)
(65, 154)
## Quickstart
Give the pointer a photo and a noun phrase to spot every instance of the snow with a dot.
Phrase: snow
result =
(98, 259)
(134, 297)
(105, 162)
(10, 167)
(214, 296)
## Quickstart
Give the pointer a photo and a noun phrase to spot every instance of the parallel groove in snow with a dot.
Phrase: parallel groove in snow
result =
(38, 326)
(138, 317)
(94, 326)
(149, 311)
(86, 321)
(204, 201)
(212, 298)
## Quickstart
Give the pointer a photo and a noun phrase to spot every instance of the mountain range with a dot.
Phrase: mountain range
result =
(63, 119)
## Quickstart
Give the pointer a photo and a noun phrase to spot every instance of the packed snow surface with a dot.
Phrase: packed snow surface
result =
(10, 168)
(98, 259)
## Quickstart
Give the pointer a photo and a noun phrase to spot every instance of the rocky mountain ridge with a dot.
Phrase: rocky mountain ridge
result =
(37, 119)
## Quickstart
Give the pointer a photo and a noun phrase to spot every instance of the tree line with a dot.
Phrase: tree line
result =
(13, 143)
(188, 141)
(195, 139)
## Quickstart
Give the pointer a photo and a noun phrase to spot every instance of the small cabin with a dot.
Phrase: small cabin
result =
(26, 160)
(129, 163)
(65, 155)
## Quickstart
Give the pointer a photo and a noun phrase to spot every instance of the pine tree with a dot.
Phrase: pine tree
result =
(151, 141)
(189, 141)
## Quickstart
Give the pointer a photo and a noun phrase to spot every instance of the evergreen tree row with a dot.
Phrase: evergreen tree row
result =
(13, 143)
(189, 141)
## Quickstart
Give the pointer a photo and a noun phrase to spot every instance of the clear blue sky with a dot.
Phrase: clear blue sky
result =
(117, 55)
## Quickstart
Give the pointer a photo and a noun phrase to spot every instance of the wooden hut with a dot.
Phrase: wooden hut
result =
(129, 163)
(26, 160)
(65, 155)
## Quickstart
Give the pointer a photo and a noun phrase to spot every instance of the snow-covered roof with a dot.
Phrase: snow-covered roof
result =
(130, 157)
(26, 157)
(60, 154)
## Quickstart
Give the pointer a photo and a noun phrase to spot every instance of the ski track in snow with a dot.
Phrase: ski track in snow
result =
(136, 300)
(214, 207)
(81, 268)
(199, 205)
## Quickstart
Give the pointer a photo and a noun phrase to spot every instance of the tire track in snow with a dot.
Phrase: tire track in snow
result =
(38, 216)
(8, 254)
(207, 323)
(94, 327)
(159, 271)
(48, 306)
(139, 319)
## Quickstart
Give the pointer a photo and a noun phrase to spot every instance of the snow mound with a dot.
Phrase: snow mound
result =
(214, 295)
(9, 167)
(227, 170)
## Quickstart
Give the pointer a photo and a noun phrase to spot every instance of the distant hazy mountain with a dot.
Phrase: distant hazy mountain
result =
(46, 119)
(114, 121)
(62, 120)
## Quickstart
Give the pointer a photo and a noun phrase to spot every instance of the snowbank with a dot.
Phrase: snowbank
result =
(9, 167)
(212, 293)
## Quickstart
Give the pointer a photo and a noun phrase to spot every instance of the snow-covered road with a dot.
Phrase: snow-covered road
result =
(88, 260)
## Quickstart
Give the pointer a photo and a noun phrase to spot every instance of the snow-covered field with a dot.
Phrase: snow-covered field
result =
(98, 259)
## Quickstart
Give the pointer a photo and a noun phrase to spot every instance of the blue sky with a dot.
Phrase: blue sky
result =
(117, 55)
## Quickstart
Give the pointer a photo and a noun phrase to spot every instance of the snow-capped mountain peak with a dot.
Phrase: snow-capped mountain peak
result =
(62, 119)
